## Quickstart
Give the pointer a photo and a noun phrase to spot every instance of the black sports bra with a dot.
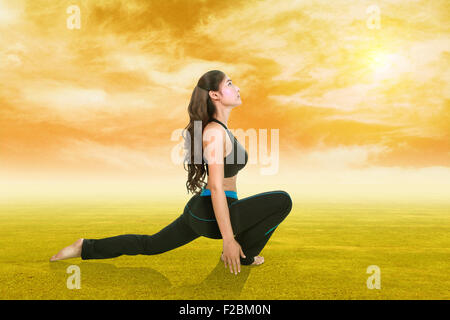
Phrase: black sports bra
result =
(232, 166)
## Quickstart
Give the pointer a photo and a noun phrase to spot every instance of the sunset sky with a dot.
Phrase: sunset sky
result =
(359, 91)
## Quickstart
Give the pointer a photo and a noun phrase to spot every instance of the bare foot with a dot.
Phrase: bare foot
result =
(257, 260)
(72, 251)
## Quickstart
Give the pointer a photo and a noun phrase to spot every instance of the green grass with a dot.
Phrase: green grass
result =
(321, 251)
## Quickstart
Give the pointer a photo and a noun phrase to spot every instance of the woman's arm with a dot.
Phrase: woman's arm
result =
(214, 151)
(214, 146)
(220, 206)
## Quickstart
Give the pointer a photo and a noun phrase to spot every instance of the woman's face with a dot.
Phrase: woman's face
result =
(230, 93)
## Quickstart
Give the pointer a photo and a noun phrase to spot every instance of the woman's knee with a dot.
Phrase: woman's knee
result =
(287, 202)
(283, 204)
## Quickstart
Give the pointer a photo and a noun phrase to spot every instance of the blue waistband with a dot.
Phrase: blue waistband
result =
(228, 193)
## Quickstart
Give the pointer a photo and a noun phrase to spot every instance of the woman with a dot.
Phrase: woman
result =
(214, 210)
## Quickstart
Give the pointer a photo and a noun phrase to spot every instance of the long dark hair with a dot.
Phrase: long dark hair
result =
(200, 108)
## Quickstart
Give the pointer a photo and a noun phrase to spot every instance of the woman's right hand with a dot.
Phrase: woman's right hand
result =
(232, 252)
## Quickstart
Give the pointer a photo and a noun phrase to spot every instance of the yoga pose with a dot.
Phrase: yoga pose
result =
(214, 211)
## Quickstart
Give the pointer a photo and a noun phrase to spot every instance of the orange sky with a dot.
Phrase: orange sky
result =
(355, 104)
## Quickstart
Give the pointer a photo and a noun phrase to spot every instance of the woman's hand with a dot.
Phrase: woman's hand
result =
(232, 252)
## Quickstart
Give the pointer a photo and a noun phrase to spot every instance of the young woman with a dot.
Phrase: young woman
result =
(214, 211)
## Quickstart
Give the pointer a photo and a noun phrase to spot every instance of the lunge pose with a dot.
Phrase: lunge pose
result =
(214, 210)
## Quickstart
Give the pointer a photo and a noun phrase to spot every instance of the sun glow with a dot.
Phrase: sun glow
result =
(384, 64)
(8, 13)
(381, 61)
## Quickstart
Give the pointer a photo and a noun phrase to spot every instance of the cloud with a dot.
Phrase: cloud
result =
(347, 99)
(110, 156)
(312, 68)
(342, 157)
(11, 12)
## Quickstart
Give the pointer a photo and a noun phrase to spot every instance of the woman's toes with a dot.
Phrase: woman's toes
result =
(54, 258)
(258, 260)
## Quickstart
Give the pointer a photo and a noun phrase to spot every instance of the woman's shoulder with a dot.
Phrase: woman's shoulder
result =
(213, 127)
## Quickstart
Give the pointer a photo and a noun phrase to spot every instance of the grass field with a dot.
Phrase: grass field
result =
(321, 251)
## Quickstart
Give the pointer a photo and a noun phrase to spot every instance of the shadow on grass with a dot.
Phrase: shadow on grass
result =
(219, 284)
(114, 280)
(147, 282)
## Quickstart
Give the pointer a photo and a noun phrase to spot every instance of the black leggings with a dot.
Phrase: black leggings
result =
(253, 220)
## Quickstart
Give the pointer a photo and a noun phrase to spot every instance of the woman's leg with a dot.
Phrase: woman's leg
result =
(172, 236)
(255, 218)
